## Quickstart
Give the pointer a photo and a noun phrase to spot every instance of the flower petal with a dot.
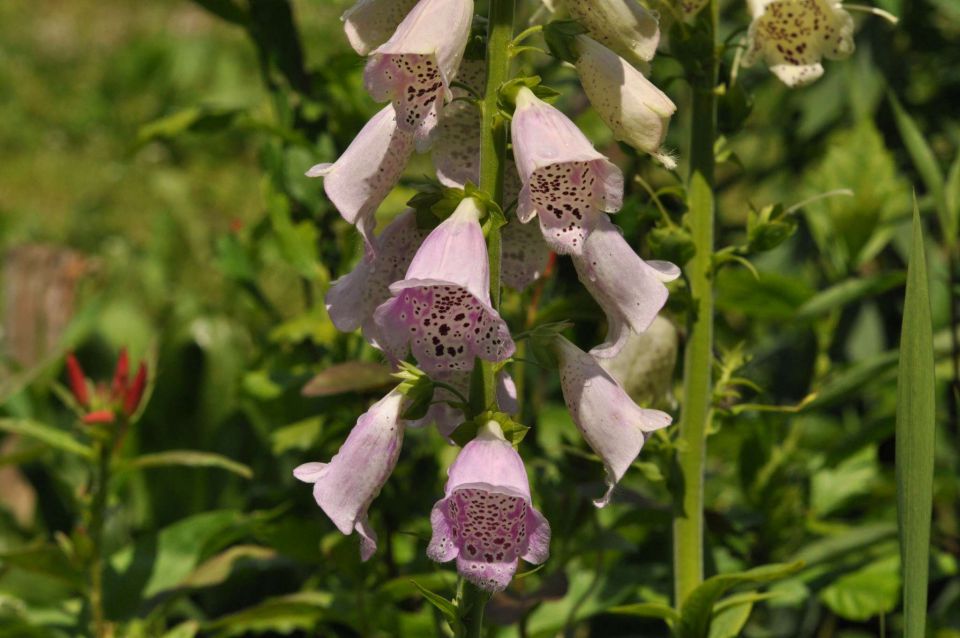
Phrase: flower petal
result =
(525, 255)
(367, 171)
(612, 424)
(353, 297)
(636, 111)
(628, 301)
(443, 545)
(441, 310)
(623, 25)
(415, 66)
(346, 486)
(370, 23)
(538, 535)
(792, 36)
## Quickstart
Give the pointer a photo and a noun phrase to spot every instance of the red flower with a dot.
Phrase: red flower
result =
(122, 397)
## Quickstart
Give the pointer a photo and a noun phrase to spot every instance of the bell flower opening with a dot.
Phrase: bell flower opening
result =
(793, 36)
(486, 520)
(613, 425)
(441, 309)
(345, 487)
(636, 111)
(360, 179)
(567, 183)
(415, 67)
(630, 291)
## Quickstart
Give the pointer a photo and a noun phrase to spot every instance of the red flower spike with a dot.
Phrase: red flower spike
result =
(120, 377)
(99, 416)
(78, 383)
(135, 392)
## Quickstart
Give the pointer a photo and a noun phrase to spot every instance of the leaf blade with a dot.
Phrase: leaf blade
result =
(915, 436)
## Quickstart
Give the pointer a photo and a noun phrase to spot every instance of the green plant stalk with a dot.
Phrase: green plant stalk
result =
(916, 401)
(688, 546)
(98, 510)
(493, 148)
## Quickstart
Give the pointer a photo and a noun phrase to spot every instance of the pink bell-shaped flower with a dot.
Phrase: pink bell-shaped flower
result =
(630, 291)
(352, 298)
(441, 310)
(566, 182)
(486, 519)
(345, 487)
(612, 424)
(415, 67)
(370, 23)
(636, 111)
(362, 177)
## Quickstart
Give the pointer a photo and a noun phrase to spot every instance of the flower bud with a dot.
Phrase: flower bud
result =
(636, 111)
(622, 25)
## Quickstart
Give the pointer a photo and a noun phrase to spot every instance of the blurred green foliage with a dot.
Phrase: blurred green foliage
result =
(166, 142)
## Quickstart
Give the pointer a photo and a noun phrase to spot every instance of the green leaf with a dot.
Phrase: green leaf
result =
(560, 36)
(447, 608)
(44, 433)
(951, 200)
(283, 614)
(195, 119)
(729, 621)
(696, 613)
(916, 418)
(848, 291)
(923, 160)
(867, 592)
(189, 458)
(159, 562)
(217, 569)
(352, 376)
(648, 610)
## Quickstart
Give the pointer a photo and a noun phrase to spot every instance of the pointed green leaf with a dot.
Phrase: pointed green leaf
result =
(189, 458)
(648, 610)
(923, 159)
(447, 608)
(44, 433)
(697, 611)
(915, 437)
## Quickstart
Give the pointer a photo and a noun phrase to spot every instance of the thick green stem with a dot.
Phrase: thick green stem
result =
(493, 148)
(688, 545)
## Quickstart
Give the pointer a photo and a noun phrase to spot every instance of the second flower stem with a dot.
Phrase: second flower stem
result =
(688, 541)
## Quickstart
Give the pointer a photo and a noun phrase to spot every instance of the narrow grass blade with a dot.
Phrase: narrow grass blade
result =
(914, 438)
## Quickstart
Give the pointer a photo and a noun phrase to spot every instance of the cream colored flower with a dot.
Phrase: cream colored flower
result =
(792, 36)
